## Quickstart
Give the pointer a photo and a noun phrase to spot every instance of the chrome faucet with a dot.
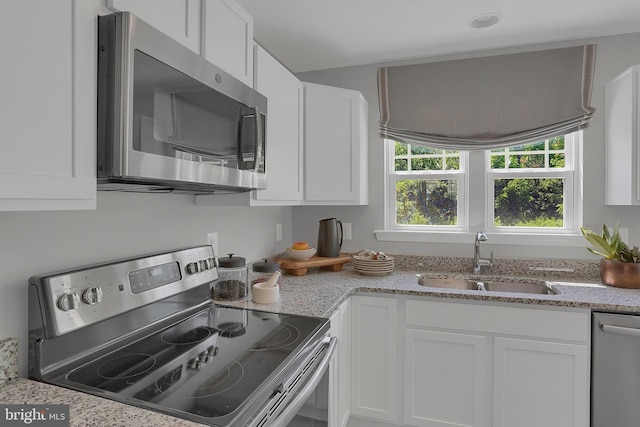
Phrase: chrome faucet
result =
(479, 262)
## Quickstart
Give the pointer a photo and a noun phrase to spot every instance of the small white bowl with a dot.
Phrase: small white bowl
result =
(301, 254)
(263, 294)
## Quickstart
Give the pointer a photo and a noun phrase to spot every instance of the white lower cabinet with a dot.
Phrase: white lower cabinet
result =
(496, 365)
(339, 369)
(374, 358)
(468, 364)
(539, 383)
(445, 378)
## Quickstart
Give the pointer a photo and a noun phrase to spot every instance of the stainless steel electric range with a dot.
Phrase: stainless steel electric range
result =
(145, 332)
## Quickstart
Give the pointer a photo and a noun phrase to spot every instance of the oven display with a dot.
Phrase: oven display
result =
(154, 277)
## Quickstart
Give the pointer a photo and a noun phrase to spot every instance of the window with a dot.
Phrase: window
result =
(531, 188)
(428, 187)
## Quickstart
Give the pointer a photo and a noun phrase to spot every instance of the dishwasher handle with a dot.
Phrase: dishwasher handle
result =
(294, 406)
(620, 330)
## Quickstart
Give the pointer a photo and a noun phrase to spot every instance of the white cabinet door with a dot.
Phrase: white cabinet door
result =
(227, 38)
(179, 19)
(334, 371)
(539, 383)
(284, 94)
(344, 364)
(622, 139)
(535, 370)
(48, 116)
(339, 384)
(336, 146)
(374, 347)
(445, 380)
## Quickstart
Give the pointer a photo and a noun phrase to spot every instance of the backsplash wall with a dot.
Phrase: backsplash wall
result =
(123, 225)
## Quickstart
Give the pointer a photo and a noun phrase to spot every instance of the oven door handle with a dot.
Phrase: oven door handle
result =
(294, 406)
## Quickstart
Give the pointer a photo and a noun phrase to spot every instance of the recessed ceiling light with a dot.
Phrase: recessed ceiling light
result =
(485, 20)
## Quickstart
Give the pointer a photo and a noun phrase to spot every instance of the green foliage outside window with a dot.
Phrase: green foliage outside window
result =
(426, 202)
(523, 202)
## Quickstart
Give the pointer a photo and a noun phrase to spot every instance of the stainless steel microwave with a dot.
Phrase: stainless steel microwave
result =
(169, 120)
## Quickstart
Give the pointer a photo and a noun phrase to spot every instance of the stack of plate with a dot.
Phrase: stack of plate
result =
(372, 267)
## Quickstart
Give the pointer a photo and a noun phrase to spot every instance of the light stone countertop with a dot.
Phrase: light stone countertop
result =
(85, 410)
(319, 293)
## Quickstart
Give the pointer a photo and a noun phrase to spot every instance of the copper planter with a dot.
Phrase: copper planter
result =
(620, 274)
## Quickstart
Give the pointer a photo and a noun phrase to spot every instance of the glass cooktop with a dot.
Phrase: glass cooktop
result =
(206, 365)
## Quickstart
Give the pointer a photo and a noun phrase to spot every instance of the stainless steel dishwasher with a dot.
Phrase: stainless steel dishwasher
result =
(615, 370)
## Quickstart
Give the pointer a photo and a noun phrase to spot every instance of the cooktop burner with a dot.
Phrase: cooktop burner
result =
(207, 365)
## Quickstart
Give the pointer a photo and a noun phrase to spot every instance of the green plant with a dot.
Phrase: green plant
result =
(610, 246)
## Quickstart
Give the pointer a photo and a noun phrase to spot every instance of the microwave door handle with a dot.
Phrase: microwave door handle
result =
(257, 152)
(257, 142)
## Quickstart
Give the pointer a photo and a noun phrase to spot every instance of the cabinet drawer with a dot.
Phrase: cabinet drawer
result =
(544, 323)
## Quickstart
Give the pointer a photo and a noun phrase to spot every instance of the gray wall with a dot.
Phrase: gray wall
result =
(123, 225)
(614, 55)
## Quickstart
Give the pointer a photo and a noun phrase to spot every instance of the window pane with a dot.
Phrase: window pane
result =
(497, 162)
(556, 160)
(529, 202)
(521, 161)
(401, 164)
(536, 146)
(417, 149)
(426, 164)
(556, 143)
(453, 163)
(401, 149)
(417, 158)
(427, 202)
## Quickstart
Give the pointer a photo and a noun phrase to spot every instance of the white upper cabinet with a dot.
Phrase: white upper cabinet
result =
(284, 94)
(227, 38)
(336, 146)
(179, 19)
(48, 115)
(622, 139)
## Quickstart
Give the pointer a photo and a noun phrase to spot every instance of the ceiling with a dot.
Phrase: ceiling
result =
(318, 34)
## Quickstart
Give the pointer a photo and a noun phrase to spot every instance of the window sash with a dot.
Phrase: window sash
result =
(393, 176)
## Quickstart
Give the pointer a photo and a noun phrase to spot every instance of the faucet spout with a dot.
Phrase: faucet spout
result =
(478, 261)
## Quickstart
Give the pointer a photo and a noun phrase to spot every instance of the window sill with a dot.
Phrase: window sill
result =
(565, 240)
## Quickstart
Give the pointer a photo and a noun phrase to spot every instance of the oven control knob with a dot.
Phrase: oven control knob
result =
(193, 268)
(68, 302)
(205, 264)
(92, 295)
(194, 363)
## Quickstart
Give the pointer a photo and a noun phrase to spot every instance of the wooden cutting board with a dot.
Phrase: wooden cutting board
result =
(299, 268)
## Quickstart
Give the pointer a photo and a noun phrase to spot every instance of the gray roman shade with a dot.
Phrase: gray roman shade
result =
(488, 102)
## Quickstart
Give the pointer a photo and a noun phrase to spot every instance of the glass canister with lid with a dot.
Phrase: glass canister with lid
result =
(232, 283)
(261, 271)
